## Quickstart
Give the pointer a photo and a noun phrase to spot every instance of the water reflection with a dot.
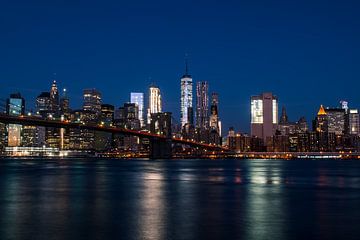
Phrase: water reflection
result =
(179, 199)
(151, 207)
(265, 209)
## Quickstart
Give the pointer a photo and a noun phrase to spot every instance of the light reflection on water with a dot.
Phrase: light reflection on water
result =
(179, 199)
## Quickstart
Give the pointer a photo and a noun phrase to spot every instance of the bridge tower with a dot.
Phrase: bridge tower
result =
(161, 124)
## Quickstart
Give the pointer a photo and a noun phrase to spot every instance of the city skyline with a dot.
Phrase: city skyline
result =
(238, 54)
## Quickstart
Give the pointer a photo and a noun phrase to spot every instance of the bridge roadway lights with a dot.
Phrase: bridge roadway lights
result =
(160, 148)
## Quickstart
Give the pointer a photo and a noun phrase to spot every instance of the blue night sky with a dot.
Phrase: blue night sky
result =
(306, 52)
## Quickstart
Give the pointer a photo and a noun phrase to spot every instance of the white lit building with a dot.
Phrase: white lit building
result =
(264, 115)
(138, 99)
(154, 102)
(186, 99)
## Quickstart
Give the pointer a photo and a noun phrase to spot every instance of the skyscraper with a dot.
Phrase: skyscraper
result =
(154, 102)
(322, 129)
(202, 105)
(92, 100)
(54, 98)
(336, 120)
(186, 98)
(264, 115)
(214, 115)
(15, 106)
(138, 99)
(353, 122)
(43, 104)
(64, 104)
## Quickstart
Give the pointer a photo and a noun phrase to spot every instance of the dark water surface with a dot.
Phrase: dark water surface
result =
(179, 199)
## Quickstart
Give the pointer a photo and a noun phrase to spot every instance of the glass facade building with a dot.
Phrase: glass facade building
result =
(138, 99)
(15, 106)
(186, 98)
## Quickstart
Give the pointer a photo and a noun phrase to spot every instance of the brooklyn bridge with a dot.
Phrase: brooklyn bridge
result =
(161, 145)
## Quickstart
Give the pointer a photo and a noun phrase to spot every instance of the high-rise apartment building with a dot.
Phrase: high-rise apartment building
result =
(264, 115)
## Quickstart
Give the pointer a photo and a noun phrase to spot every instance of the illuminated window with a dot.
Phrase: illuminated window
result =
(257, 111)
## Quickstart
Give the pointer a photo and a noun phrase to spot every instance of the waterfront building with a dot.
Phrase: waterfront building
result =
(127, 117)
(155, 104)
(202, 105)
(138, 99)
(3, 136)
(104, 140)
(264, 115)
(186, 98)
(82, 139)
(92, 100)
(54, 136)
(15, 106)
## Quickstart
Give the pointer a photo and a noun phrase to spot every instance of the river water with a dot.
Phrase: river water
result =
(179, 199)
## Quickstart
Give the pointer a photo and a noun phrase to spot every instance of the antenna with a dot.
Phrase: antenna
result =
(186, 64)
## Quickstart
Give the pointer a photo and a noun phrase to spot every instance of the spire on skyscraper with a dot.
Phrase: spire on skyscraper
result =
(322, 110)
(284, 117)
(186, 67)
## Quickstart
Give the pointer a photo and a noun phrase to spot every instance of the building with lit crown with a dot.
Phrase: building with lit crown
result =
(155, 105)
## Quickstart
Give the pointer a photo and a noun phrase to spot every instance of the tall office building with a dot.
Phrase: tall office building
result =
(322, 130)
(186, 99)
(138, 99)
(43, 104)
(336, 120)
(64, 104)
(202, 105)
(264, 115)
(54, 98)
(15, 106)
(214, 113)
(155, 105)
(92, 100)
